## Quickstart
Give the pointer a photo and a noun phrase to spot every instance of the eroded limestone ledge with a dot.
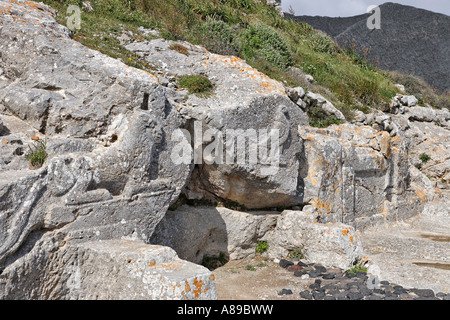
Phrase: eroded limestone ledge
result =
(105, 270)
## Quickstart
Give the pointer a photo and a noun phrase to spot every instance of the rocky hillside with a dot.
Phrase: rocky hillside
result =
(118, 181)
(411, 40)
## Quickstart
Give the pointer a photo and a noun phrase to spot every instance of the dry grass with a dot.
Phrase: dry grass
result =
(179, 48)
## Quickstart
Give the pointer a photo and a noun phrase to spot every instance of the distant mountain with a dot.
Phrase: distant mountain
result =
(410, 40)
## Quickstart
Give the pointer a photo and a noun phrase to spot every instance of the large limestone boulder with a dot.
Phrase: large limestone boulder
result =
(418, 113)
(433, 141)
(409, 101)
(244, 103)
(108, 152)
(104, 270)
(108, 173)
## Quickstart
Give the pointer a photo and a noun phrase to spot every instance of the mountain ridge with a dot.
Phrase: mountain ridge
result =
(411, 40)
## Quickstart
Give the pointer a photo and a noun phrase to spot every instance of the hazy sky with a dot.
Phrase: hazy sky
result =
(345, 8)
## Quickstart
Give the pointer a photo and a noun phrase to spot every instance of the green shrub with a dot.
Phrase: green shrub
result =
(219, 37)
(253, 31)
(264, 41)
(238, 4)
(357, 268)
(262, 246)
(37, 154)
(233, 205)
(198, 85)
(319, 119)
(323, 43)
(424, 158)
(296, 253)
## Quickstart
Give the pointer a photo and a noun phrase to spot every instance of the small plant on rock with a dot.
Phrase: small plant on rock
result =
(424, 158)
(356, 269)
(37, 154)
(198, 85)
(262, 246)
(296, 253)
(358, 266)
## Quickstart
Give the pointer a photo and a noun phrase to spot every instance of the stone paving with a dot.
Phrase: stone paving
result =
(338, 284)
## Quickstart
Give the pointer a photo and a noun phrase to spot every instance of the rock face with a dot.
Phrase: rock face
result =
(108, 174)
(98, 208)
(105, 149)
(356, 175)
(426, 133)
(332, 244)
(199, 232)
(399, 45)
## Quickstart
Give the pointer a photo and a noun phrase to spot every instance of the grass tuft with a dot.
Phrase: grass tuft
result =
(179, 48)
(198, 85)
(37, 154)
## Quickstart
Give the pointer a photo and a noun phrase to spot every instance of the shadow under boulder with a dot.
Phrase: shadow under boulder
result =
(199, 233)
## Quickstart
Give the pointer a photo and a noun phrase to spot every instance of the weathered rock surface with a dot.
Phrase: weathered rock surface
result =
(205, 232)
(332, 244)
(413, 253)
(422, 114)
(111, 269)
(108, 174)
(315, 99)
(434, 141)
(103, 193)
(244, 101)
(357, 175)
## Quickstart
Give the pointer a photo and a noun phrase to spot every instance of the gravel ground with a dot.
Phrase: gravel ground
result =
(260, 279)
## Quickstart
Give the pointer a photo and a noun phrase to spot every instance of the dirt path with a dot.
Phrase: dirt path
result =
(237, 281)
